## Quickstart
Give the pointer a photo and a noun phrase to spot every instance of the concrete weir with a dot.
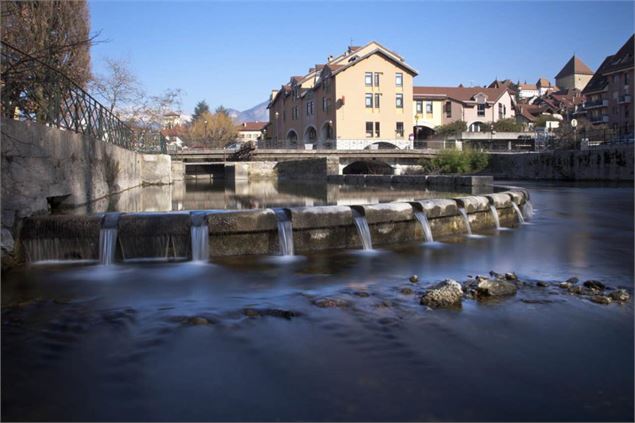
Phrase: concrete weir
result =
(167, 236)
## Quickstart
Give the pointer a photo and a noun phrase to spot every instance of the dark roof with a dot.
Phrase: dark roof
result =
(621, 60)
(574, 66)
(599, 81)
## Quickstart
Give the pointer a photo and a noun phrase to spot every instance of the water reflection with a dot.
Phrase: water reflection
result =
(267, 193)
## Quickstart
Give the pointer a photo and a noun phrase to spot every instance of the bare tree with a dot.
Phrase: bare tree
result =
(118, 88)
(213, 130)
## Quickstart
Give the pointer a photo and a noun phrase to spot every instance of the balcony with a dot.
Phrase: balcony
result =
(599, 119)
(624, 99)
(595, 104)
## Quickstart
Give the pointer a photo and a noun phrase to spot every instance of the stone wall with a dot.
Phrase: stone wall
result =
(244, 232)
(45, 167)
(598, 164)
(319, 168)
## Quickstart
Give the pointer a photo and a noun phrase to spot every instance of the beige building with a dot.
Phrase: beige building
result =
(360, 99)
(250, 131)
(574, 75)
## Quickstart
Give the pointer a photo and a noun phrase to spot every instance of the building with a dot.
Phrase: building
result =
(609, 93)
(574, 74)
(473, 105)
(357, 100)
(250, 131)
(526, 90)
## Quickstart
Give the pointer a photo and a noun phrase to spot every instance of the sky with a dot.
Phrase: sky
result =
(235, 53)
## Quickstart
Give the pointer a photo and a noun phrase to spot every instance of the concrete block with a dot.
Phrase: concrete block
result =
(387, 212)
(320, 217)
(439, 208)
(472, 204)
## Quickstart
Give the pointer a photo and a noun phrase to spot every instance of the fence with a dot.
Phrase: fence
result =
(32, 90)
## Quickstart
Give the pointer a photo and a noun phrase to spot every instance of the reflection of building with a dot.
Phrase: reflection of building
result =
(609, 94)
(473, 105)
(250, 131)
(359, 99)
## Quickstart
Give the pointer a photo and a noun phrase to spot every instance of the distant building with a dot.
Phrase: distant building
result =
(574, 74)
(526, 90)
(251, 131)
(609, 93)
(474, 105)
(359, 99)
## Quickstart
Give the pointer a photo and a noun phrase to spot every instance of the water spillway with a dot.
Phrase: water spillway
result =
(108, 238)
(155, 236)
(466, 220)
(285, 232)
(519, 214)
(425, 225)
(362, 229)
(495, 216)
(199, 234)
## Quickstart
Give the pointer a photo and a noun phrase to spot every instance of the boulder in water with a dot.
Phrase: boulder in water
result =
(414, 279)
(495, 288)
(330, 302)
(620, 296)
(445, 294)
(595, 285)
(600, 299)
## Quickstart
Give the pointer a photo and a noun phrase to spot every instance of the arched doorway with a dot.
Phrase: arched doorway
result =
(382, 145)
(476, 127)
(310, 135)
(292, 138)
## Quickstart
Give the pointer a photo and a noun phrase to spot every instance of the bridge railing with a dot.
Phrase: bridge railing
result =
(33, 90)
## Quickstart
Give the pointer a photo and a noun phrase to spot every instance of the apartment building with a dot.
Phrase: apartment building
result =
(474, 105)
(609, 94)
(359, 99)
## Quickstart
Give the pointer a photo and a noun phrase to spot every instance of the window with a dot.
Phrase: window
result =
(377, 129)
(419, 106)
(480, 109)
(369, 101)
(399, 129)
(369, 129)
(626, 78)
(399, 101)
(448, 109)
(428, 107)
(324, 104)
(377, 101)
(377, 79)
(368, 79)
(500, 111)
(399, 79)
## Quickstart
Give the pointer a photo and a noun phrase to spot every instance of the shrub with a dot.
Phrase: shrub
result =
(508, 125)
(456, 161)
(453, 128)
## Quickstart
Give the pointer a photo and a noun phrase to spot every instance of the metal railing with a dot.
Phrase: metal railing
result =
(32, 90)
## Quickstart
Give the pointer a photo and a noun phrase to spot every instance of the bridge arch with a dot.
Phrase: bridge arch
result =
(368, 167)
(382, 145)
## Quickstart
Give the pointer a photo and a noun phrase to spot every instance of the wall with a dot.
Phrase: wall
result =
(308, 169)
(599, 164)
(42, 165)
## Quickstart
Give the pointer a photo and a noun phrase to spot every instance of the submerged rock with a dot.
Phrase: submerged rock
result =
(196, 320)
(272, 312)
(565, 285)
(406, 291)
(542, 284)
(600, 299)
(595, 285)
(573, 280)
(330, 302)
(414, 279)
(620, 296)
(511, 276)
(495, 288)
(361, 294)
(445, 294)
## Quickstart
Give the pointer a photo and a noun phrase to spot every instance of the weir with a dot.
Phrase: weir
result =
(495, 216)
(528, 210)
(466, 220)
(362, 229)
(519, 214)
(285, 232)
(425, 225)
(108, 238)
(199, 234)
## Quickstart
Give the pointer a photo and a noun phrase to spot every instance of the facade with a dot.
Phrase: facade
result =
(574, 75)
(359, 99)
(250, 131)
(526, 90)
(474, 105)
(609, 94)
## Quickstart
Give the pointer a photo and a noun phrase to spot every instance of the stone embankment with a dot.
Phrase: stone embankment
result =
(243, 232)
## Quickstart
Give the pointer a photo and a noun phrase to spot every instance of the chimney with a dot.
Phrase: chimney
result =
(329, 59)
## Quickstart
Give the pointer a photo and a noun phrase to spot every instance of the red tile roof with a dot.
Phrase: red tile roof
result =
(462, 94)
(251, 126)
(574, 66)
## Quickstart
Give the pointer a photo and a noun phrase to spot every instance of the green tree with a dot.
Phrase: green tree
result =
(221, 110)
(453, 128)
(508, 125)
(200, 108)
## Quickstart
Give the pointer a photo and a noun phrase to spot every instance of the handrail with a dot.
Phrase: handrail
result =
(46, 95)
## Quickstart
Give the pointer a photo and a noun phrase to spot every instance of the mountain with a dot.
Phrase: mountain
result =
(257, 113)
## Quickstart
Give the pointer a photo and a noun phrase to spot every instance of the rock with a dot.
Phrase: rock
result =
(573, 280)
(595, 285)
(273, 312)
(620, 295)
(362, 294)
(542, 284)
(406, 291)
(7, 243)
(576, 289)
(197, 320)
(495, 288)
(250, 312)
(495, 275)
(445, 294)
(565, 285)
(511, 276)
(600, 299)
(330, 302)
(414, 279)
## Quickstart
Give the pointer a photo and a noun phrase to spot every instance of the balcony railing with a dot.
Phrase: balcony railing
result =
(624, 99)
(595, 104)
(599, 119)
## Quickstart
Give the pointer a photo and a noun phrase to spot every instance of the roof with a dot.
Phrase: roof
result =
(574, 66)
(527, 86)
(251, 126)
(397, 62)
(462, 94)
(621, 60)
(543, 82)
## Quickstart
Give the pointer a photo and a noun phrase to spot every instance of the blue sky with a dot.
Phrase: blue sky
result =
(234, 53)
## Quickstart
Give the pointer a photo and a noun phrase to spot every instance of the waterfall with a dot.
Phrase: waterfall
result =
(425, 225)
(467, 221)
(495, 216)
(528, 210)
(362, 228)
(199, 233)
(521, 219)
(285, 232)
(108, 238)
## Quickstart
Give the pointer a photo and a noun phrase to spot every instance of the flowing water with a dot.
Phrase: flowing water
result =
(495, 216)
(107, 245)
(466, 220)
(521, 218)
(425, 225)
(363, 230)
(253, 340)
(200, 238)
(528, 210)
(285, 232)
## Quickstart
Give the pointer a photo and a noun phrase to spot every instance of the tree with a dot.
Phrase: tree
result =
(119, 87)
(222, 110)
(147, 113)
(507, 125)
(453, 128)
(200, 108)
(213, 130)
